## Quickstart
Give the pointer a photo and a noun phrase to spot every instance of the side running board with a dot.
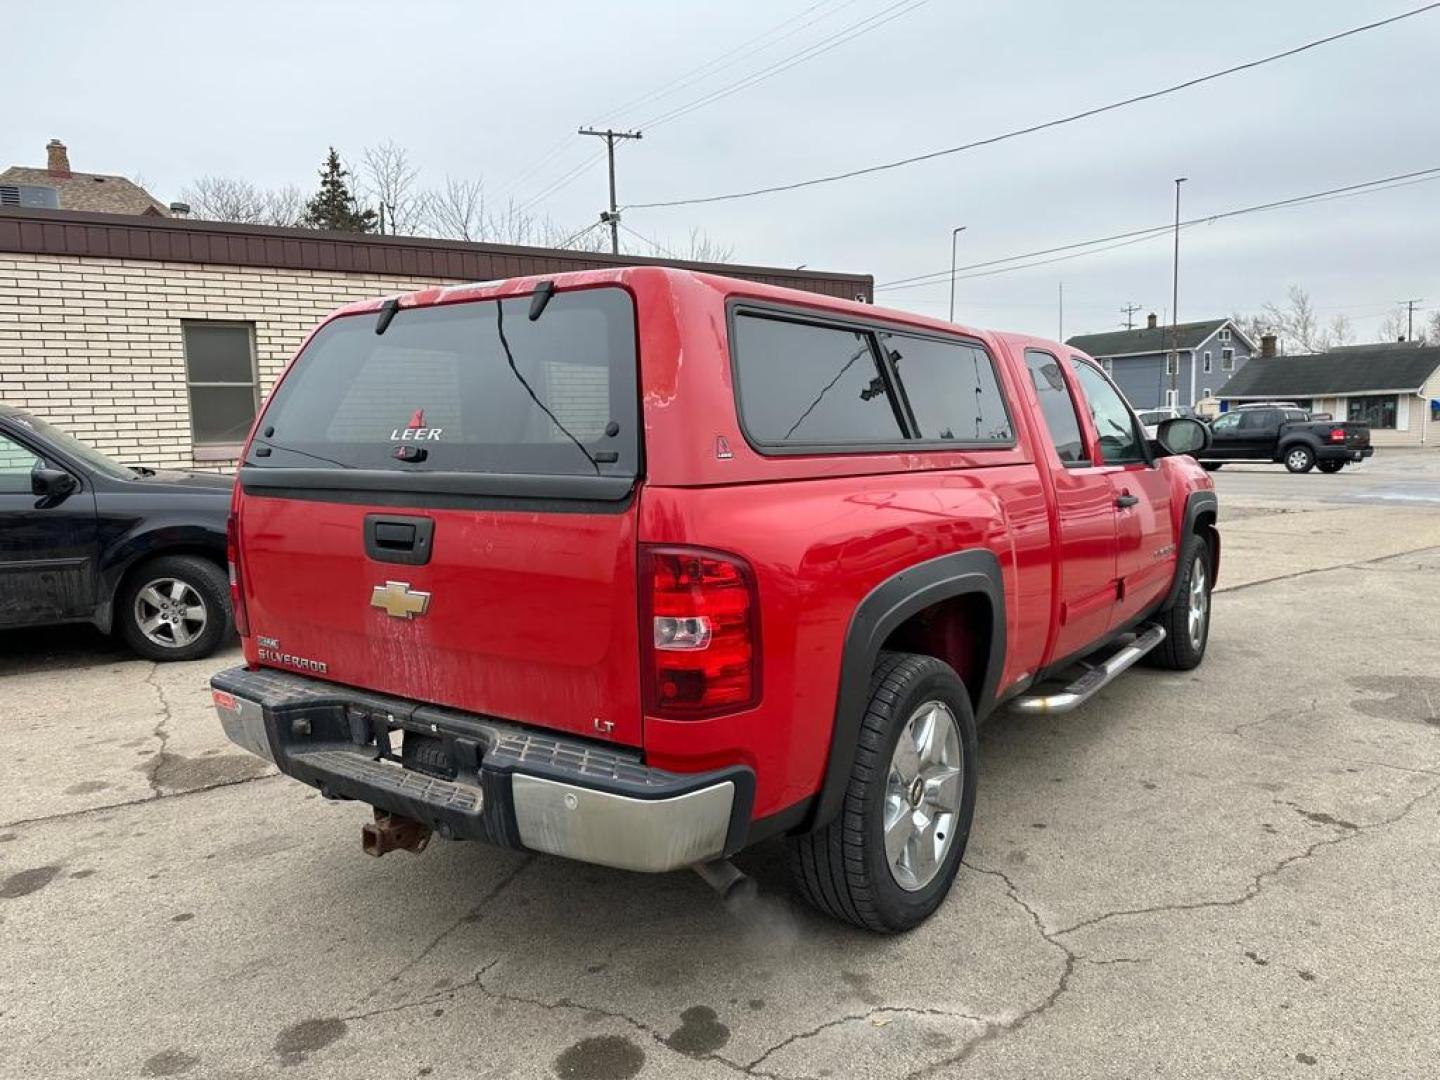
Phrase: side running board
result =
(1096, 677)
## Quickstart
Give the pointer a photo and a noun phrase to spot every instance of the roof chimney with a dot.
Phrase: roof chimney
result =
(1150, 321)
(57, 161)
(1267, 345)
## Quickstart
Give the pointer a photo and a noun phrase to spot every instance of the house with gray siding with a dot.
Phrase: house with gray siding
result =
(1141, 360)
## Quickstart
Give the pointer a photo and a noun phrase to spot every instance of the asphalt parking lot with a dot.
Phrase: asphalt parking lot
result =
(1231, 872)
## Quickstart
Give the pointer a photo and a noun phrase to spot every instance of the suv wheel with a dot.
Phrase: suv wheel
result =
(1187, 621)
(889, 858)
(176, 607)
(1299, 459)
(1331, 466)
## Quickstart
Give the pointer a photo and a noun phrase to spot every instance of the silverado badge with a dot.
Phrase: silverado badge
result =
(398, 600)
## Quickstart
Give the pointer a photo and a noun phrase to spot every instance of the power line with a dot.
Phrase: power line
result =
(1043, 125)
(824, 45)
(646, 240)
(1139, 235)
(744, 50)
(709, 68)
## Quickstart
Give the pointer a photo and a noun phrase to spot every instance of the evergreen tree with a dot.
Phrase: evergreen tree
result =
(334, 206)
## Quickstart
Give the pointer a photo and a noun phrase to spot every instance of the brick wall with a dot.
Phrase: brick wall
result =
(94, 345)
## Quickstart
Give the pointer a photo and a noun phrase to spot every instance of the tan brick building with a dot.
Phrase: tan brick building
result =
(154, 339)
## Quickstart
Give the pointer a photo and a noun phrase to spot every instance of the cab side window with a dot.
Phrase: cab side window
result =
(1120, 441)
(1228, 422)
(1257, 419)
(16, 464)
(1057, 406)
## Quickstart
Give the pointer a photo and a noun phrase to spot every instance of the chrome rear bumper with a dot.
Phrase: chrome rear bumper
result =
(509, 785)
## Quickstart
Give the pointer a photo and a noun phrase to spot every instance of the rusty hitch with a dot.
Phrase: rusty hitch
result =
(391, 832)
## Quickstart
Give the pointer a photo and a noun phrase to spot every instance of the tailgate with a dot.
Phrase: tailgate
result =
(440, 505)
(519, 615)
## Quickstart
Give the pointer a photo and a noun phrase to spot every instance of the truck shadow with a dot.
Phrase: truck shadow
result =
(57, 648)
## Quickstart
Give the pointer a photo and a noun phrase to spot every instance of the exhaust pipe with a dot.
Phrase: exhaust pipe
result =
(733, 884)
(391, 832)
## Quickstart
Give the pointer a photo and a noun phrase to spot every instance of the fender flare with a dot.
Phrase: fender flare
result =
(888, 604)
(1311, 442)
(1196, 504)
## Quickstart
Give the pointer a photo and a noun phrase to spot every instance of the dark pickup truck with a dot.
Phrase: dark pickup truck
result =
(86, 539)
(1286, 436)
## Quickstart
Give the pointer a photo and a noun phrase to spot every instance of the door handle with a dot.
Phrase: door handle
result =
(396, 539)
(1124, 502)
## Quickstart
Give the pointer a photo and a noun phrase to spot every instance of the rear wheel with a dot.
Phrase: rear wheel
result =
(1299, 459)
(1211, 466)
(889, 858)
(1187, 620)
(176, 607)
(1330, 466)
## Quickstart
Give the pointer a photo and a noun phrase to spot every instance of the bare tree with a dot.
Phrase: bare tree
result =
(457, 210)
(699, 246)
(1340, 332)
(219, 198)
(388, 180)
(1396, 327)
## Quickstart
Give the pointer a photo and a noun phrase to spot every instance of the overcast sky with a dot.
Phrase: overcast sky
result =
(171, 92)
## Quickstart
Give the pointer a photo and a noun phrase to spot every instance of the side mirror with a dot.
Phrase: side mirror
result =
(1182, 435)
(51, 483)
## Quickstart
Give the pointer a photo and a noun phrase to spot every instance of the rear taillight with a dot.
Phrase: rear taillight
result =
(1337, 435)
(237, 592)
(701, 633)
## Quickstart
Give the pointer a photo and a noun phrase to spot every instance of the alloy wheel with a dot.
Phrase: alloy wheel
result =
(923, 792)
(1199, 612)
(170, 612)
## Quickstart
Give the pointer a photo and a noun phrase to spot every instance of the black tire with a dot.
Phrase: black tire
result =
(1330, 466)
(207, 584)
(842, 869)
(1298, 458)
(1211, 466)
(1180, 651)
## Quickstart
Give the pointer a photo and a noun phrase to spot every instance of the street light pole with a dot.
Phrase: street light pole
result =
(1175, 309)
(954, 237)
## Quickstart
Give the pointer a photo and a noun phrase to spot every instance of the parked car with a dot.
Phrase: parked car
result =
(84, 539)
(1288, 435)
(642, 566)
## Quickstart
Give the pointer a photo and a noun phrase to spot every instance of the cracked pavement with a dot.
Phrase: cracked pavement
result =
(1228, 872)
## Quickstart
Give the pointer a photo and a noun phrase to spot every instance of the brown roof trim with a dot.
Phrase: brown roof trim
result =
(124, 236)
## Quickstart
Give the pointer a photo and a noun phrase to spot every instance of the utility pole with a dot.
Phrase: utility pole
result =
(1175, 310)
(613, 217)
(1129, 312)
(954, 236)
(1410, 316)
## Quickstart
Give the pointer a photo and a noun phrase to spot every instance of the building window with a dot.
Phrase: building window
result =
(1108, 366)
(1377, 410)
(1207, 368)
(220, 378)
(1204, 392)
(1225, 334)
(1172, 364)
(1227, 360)
(1172, 398)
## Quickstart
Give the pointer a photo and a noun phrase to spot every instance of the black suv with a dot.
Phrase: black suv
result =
(86, 539)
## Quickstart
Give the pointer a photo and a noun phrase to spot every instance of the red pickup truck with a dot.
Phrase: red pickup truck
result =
(642, 566)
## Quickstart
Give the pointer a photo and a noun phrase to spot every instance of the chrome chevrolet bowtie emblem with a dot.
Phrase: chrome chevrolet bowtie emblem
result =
(398, 600)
